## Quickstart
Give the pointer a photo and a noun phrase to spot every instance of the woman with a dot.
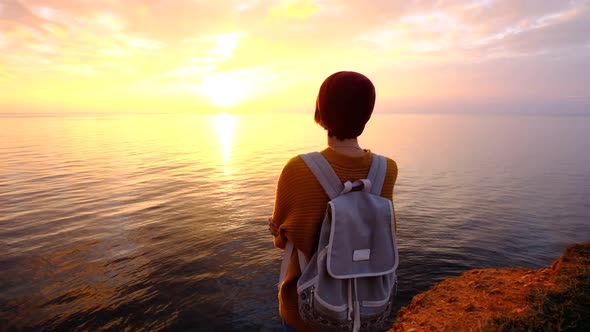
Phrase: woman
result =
(344, 105)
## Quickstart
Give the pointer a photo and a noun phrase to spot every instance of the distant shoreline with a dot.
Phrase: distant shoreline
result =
(111, 113)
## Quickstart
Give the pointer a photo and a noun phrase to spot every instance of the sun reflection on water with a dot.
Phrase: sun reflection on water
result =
(225, 125)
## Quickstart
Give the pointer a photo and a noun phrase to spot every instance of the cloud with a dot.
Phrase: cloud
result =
(85, 70)
(140, 43)
(13, 10)
(191, 71)
(3, 40)
(295, 9)
(246, 5)
(109, 22)
(225, 44)
(544, 22)
(481, 30)
(404, 44)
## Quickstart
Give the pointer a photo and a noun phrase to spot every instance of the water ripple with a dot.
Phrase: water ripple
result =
(152, 228)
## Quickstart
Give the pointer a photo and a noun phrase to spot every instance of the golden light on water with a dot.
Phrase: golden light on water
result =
(224, 125)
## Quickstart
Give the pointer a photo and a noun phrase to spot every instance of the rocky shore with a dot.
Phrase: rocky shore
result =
(556, 298)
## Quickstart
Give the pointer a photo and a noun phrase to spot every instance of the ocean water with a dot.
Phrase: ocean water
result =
(158, 222)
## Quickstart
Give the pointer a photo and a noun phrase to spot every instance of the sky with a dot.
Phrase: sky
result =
(272, 56)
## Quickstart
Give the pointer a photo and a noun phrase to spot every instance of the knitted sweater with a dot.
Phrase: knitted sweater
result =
(300, 204)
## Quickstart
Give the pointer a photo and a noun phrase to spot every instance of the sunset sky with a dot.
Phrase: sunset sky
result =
(261, 55)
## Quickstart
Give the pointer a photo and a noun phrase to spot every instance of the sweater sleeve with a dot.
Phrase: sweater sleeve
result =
(283, 202)
(300, 203)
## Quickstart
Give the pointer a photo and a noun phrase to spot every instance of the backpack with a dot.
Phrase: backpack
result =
(349, 284)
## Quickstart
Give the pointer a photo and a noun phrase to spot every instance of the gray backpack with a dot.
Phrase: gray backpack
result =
(350, 282)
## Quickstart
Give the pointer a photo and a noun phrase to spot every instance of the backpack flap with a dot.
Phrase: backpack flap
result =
(362, 236)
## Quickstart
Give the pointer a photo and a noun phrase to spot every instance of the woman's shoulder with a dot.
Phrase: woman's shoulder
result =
(392, 169)
(294, 162)
(294, 167)
(391, 163)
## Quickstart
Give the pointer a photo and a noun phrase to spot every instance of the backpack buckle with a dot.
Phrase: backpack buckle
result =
(363, 184)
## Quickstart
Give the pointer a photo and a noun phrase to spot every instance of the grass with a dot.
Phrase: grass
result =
(567, 308)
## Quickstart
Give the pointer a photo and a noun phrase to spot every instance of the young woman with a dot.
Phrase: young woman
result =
(344, 105)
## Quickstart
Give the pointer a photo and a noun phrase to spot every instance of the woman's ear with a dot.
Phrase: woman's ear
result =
(316, 115)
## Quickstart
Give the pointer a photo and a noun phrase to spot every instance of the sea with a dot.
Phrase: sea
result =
(157, 222)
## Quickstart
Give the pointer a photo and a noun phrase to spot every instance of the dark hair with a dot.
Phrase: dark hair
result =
(345, 104)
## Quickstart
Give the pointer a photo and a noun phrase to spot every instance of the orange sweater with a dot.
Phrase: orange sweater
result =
(300, 204)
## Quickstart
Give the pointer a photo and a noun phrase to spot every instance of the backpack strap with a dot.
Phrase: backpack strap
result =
(328, 179)
(377, 173)
(289, 247)
(323, 173)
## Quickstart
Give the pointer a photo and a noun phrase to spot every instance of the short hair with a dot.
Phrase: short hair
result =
(345, 104)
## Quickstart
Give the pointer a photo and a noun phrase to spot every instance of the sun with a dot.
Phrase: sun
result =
(224, 90)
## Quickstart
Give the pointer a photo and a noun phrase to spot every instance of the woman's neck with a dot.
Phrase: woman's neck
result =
(349, 146)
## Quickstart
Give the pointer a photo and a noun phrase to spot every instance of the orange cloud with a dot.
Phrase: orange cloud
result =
(294, 8)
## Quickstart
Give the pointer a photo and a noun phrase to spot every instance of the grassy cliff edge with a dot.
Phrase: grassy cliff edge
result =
(556, 298)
